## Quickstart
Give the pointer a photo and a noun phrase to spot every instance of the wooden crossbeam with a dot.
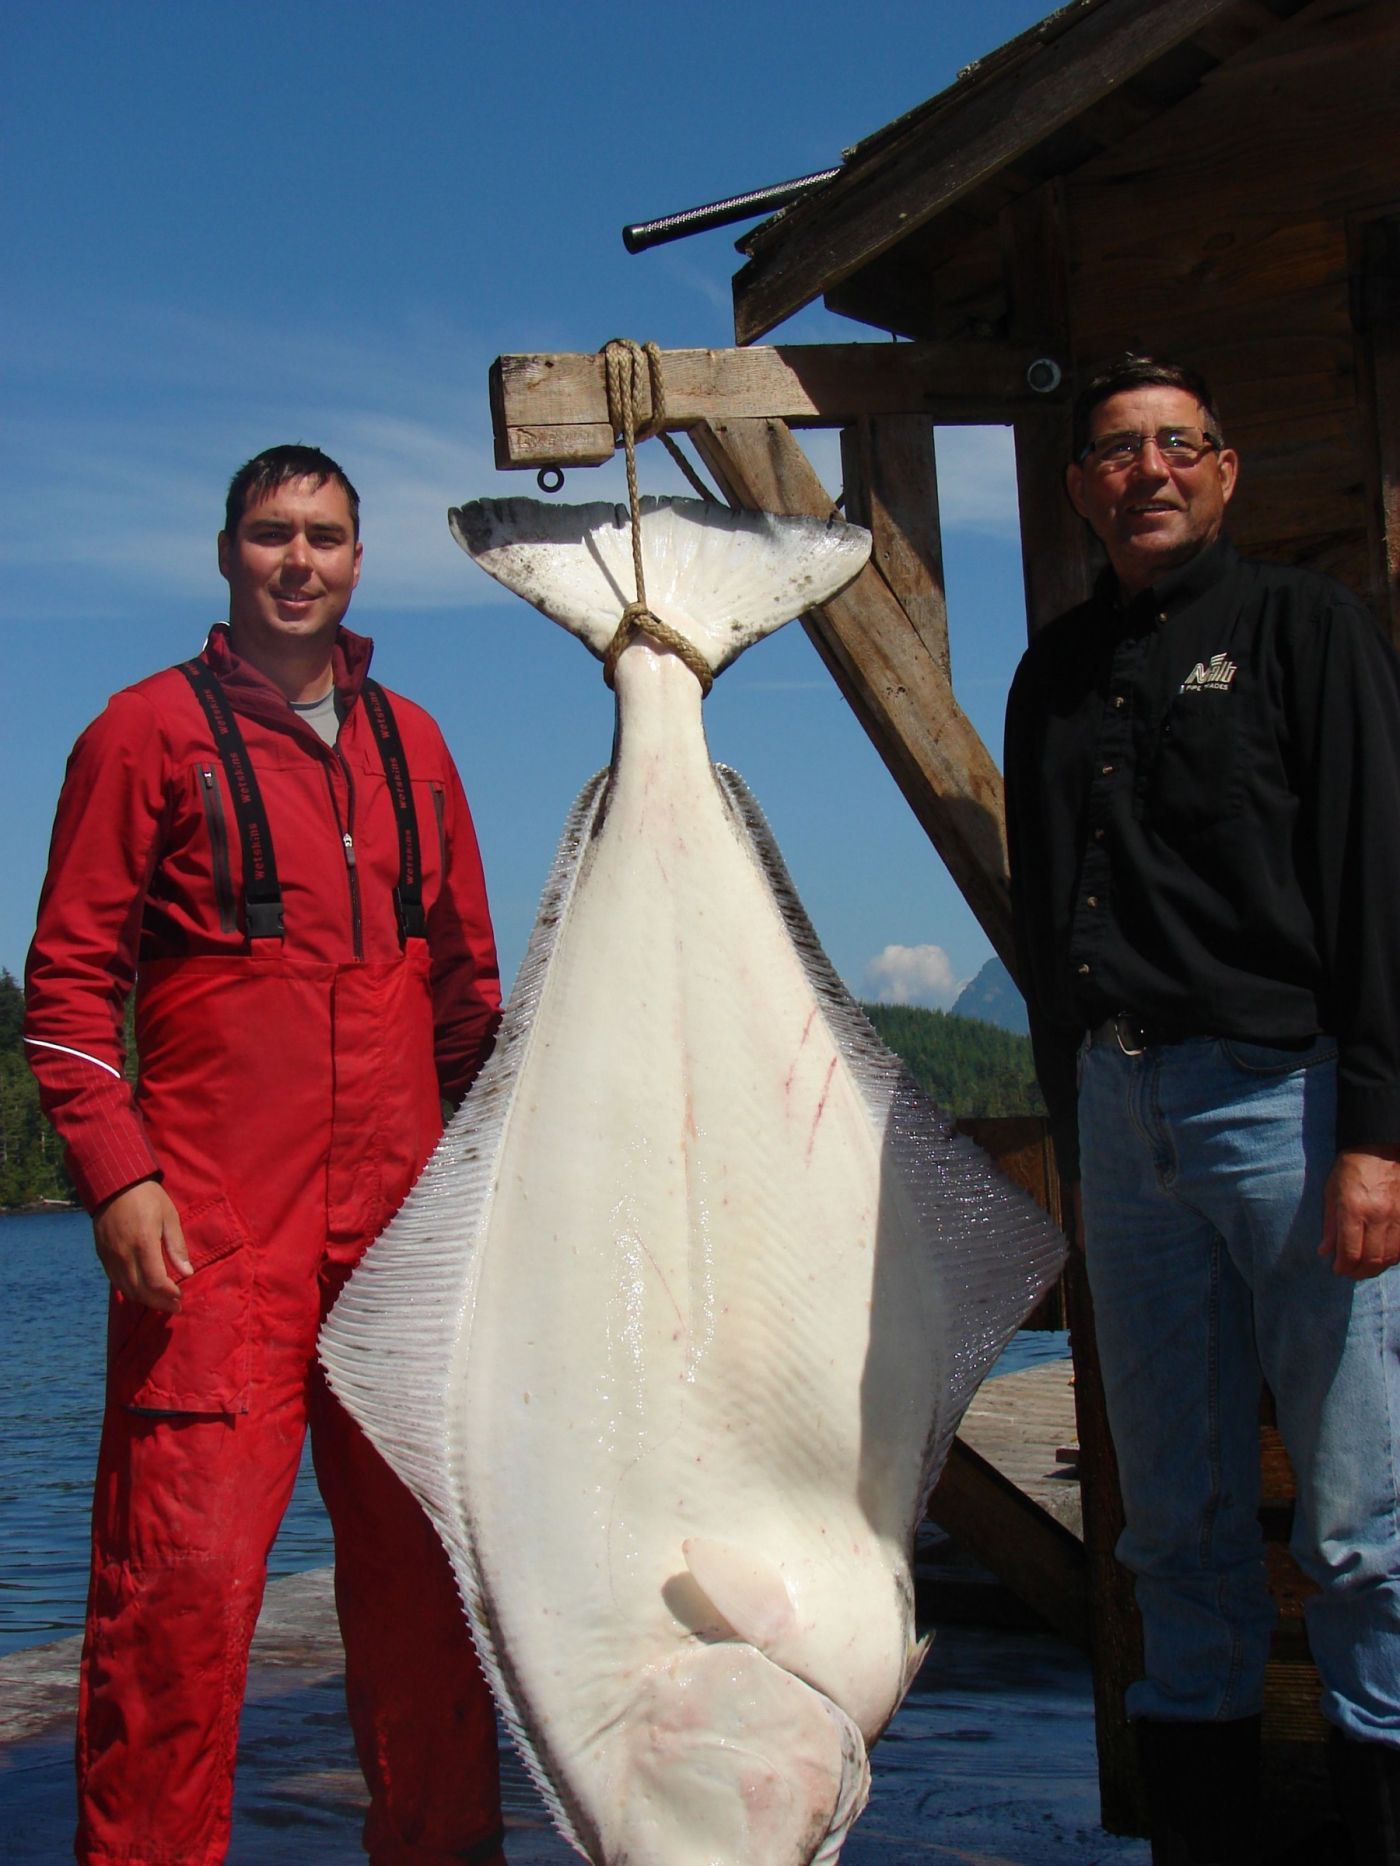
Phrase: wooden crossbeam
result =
(552, 410)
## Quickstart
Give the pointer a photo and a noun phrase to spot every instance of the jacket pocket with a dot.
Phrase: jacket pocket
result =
(199, 1360)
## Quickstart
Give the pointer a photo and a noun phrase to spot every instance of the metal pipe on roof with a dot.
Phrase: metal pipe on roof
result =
(638, 237)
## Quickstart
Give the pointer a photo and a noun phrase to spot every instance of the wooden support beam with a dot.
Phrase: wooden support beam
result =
(1055, 556)
(1040, 1560)
(890, 478)
(974, 132)
(1115, 1629)
(553, 410)
(885, 669)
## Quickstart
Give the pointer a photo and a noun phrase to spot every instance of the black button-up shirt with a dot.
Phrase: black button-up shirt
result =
(1203, 808)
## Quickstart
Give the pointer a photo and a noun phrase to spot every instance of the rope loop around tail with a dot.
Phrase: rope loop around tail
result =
(623, 365)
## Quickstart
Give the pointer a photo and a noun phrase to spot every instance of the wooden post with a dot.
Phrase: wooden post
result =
(1115, 1629)
(1056, 564)
(1055, 556)
(1375, 248)
(893, 682)
(890, 479)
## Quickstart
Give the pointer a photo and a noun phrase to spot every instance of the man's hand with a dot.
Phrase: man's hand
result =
(139, 1240)
(1361, 1225)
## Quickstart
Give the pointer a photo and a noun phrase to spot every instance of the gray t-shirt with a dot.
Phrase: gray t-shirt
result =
(323, 714)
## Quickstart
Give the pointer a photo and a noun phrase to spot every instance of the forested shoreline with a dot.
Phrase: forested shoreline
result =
(968, 1067)
(31, 1160)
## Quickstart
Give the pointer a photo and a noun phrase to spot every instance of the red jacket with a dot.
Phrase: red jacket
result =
(145, 883)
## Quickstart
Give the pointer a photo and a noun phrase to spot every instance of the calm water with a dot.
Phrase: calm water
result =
(53, 1290)
(54, 1293)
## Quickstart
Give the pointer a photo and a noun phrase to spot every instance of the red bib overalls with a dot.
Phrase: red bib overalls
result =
(289, 1095)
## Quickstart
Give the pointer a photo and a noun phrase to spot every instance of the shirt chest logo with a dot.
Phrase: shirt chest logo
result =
(1214, 676)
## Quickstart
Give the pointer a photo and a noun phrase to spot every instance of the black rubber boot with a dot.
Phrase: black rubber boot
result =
(1366, 1784)
(1202, 1791)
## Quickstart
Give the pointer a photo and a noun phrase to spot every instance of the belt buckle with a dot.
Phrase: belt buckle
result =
(1131, 1040)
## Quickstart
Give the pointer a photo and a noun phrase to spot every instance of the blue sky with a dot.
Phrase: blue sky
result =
(232, 226)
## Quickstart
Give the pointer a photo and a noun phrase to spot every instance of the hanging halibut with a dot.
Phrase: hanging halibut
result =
(673, 1333)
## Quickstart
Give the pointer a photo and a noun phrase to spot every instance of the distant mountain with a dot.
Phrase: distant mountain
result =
(993, 998)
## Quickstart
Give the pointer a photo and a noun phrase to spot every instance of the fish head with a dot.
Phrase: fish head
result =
(727, 1759)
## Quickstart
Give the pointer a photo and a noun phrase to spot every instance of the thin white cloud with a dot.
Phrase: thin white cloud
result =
(912, 975)
(404, 409)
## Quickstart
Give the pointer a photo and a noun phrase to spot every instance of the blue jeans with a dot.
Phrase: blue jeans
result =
(1204, 1166)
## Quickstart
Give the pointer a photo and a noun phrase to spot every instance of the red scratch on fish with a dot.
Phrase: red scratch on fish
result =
(792, 1067)
(821, 1105)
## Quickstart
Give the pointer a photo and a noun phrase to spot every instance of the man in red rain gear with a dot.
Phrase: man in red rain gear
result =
(280, 855)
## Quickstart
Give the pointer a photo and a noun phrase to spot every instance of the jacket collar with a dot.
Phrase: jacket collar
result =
(253, 693)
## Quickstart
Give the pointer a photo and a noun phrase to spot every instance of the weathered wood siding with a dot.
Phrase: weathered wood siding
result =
(1219, 232)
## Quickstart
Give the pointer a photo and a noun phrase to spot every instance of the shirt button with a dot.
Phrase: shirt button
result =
(1107, 770)
(1092, 899)
(1161, 615)
(1119, 701)
(1082, 970)
(1098, 835)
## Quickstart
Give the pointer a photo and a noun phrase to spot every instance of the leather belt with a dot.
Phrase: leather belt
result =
(1124, 1030)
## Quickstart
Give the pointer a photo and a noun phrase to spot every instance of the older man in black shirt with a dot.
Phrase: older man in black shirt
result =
(1203, 804)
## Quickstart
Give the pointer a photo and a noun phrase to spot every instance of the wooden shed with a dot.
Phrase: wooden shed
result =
(1216, 180)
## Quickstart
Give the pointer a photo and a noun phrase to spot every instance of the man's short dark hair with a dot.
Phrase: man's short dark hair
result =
(1133, 370)
(272, 468)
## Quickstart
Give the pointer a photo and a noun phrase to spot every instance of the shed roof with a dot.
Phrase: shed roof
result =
(1087, 76)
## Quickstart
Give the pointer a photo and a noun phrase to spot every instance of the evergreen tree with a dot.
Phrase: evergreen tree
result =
(31, 1159)
(965, 1065)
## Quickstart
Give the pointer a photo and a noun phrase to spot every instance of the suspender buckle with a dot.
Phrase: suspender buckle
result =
(264, 919)
(413, 922)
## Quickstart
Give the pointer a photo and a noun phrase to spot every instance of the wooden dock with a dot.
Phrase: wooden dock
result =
(1009, 1499)
(991, 1757)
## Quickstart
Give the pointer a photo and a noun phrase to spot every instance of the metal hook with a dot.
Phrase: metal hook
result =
(550, 478)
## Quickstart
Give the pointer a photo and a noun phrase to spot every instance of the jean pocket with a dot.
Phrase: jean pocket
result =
(198, 1360)
(1272, 1059)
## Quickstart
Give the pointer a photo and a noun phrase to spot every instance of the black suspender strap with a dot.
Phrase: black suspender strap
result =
(408, 895)
(262, 897)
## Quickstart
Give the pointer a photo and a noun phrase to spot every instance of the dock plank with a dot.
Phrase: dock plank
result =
(1018, 1422)
(1007, 1499)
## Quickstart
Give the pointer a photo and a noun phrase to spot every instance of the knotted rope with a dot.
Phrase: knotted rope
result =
(623, 363)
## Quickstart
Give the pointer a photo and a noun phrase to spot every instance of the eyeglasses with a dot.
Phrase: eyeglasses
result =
(1179, 447)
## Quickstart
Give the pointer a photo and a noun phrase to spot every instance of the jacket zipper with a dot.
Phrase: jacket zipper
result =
(347, 841)
(217, 825)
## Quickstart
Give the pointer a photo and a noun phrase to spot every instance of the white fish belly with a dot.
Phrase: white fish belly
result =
(679, 1323)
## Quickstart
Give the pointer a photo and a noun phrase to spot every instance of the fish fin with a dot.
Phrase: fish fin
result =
(918, 1652)
(410, 1303)
(744, 1588)
(987, 1290)
(722, 578)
